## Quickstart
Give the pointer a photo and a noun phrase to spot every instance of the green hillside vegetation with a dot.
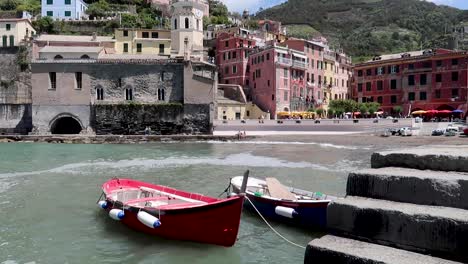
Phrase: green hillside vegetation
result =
(302, 31)
(365, 28)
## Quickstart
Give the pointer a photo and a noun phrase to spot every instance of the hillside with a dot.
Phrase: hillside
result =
(364, 28)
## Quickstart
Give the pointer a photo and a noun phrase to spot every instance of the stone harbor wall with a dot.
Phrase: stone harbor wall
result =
(163, 119)
(15, 91)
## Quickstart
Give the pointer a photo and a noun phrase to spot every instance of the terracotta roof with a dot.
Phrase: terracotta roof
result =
(71, 38)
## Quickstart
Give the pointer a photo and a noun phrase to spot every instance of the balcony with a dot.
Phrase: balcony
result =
(284, 61)
(300, 65)
(330, 57)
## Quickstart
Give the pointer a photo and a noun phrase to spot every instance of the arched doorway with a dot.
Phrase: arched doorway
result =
(65, 124)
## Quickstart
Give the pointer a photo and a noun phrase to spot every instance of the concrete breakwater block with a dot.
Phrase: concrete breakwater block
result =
(333, 249)
(443, 158)
(441, 231)
(411, 186)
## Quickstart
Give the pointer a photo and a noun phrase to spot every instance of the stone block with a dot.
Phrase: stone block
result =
(411, 186)
(332, 249)
(441, 231)
(442, 158)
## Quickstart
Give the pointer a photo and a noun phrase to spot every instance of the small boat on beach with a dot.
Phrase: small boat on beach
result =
(286, 204)
(171, 213)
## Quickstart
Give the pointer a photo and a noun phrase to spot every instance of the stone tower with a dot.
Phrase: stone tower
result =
(187, 28)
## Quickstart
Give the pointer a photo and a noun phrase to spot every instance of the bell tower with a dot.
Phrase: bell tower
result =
(187, 28)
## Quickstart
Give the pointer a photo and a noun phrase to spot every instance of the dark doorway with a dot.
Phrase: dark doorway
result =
(66, 125)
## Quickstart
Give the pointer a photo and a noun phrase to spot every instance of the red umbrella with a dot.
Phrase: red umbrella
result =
(445, 112)
(432, 112)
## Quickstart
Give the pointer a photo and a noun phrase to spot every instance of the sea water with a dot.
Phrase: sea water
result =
(48, 195)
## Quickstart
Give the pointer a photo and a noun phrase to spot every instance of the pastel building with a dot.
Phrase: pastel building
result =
(420, 80)
(143, 41)
(15, 30)
(63, 9)
(277, 78)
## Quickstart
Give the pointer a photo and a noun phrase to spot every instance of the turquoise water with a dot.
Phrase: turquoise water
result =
(48, 195)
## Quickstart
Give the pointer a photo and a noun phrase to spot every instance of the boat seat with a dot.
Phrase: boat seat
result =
(149, 199)
(277, 190)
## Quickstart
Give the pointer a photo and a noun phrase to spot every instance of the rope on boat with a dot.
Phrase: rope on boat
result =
(268, 224)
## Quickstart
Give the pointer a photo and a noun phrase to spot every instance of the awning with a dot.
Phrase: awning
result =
(299, 55)
(281, 51)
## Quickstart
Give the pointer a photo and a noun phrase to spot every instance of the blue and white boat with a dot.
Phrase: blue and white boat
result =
(285, 204)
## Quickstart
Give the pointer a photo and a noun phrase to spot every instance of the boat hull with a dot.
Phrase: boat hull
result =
(215, 223)
(309, 215)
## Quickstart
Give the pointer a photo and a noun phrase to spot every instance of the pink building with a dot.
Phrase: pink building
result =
(277, 78)
(232, 56)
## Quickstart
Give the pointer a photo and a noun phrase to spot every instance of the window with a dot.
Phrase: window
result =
(454, 62)
(234, 54)
(423, 79)
(380, 70)
(50, 13)
(320, 79)
(52, 80)
(394, 69)
(100, 94)
(439, 77)
(119, 82)
(4, 41)
(411, 80)
(368, 72)
(58, 57)
(8, 27)
(12, 41)
(359, 87)
(393, 99)
(380, 85)
(285, 95)
(454, 76)
(234, 69)
(268, 56)
(79, 80)
(154, 35)
(229, 55)
(198, 24)
(411, 66)
(226, 70)
(84, 57)
(129, 94)
(285, 73)
(125, 33)
(454, 93)
(422, 96)
(411, 96)
(68, 13)
(125, 47)
(368, 86)
(272, 97)
(138, 47)
(161, 48)
(393, 84)
(50, 2)
(187, 22)
(145, 34)
(268, 82)
(68, 2)
(161, 94)
(359, 73)
(439, 63)
(438, 94)
(175, 23)
(380, 99)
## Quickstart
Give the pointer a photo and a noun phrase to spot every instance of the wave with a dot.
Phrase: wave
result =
(236, 160)
(323, 145)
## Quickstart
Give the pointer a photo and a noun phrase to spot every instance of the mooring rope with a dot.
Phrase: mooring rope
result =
(268, 224)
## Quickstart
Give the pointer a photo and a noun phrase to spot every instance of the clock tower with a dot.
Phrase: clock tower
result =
(187, 28)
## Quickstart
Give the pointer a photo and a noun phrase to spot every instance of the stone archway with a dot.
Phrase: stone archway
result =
(66, 124)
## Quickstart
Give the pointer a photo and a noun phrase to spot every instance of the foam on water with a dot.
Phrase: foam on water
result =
(240, 160)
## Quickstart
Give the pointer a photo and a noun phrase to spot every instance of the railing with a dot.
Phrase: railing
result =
(300, 64)
(284, 61)
(329, 57)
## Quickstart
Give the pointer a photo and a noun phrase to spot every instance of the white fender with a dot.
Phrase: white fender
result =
(102, 204)
(285, 211)
(148, 220)
(116, 214)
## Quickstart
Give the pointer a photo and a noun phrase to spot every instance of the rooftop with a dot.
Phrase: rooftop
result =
(70, 38)
(74, 49)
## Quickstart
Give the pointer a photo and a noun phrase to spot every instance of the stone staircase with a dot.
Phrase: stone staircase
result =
(411, 207)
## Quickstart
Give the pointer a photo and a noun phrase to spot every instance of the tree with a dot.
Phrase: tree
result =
(32, 6)
(9, 5)
(98, 9)
(397, 109)
(363, 109)
(44, 25)
(130, 21)
(320, 112)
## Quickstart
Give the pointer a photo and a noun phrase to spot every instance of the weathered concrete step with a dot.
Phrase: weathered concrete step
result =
(411, 186)
(332, 249)
(441, 231)
(443, 158)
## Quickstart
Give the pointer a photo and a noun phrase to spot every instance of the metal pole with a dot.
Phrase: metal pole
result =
(244, 182)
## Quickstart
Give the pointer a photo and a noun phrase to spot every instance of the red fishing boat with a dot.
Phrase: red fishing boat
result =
(172, 213)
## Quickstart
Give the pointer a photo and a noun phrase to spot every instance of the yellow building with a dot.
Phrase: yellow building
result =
(143, 41)
(15, 30)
